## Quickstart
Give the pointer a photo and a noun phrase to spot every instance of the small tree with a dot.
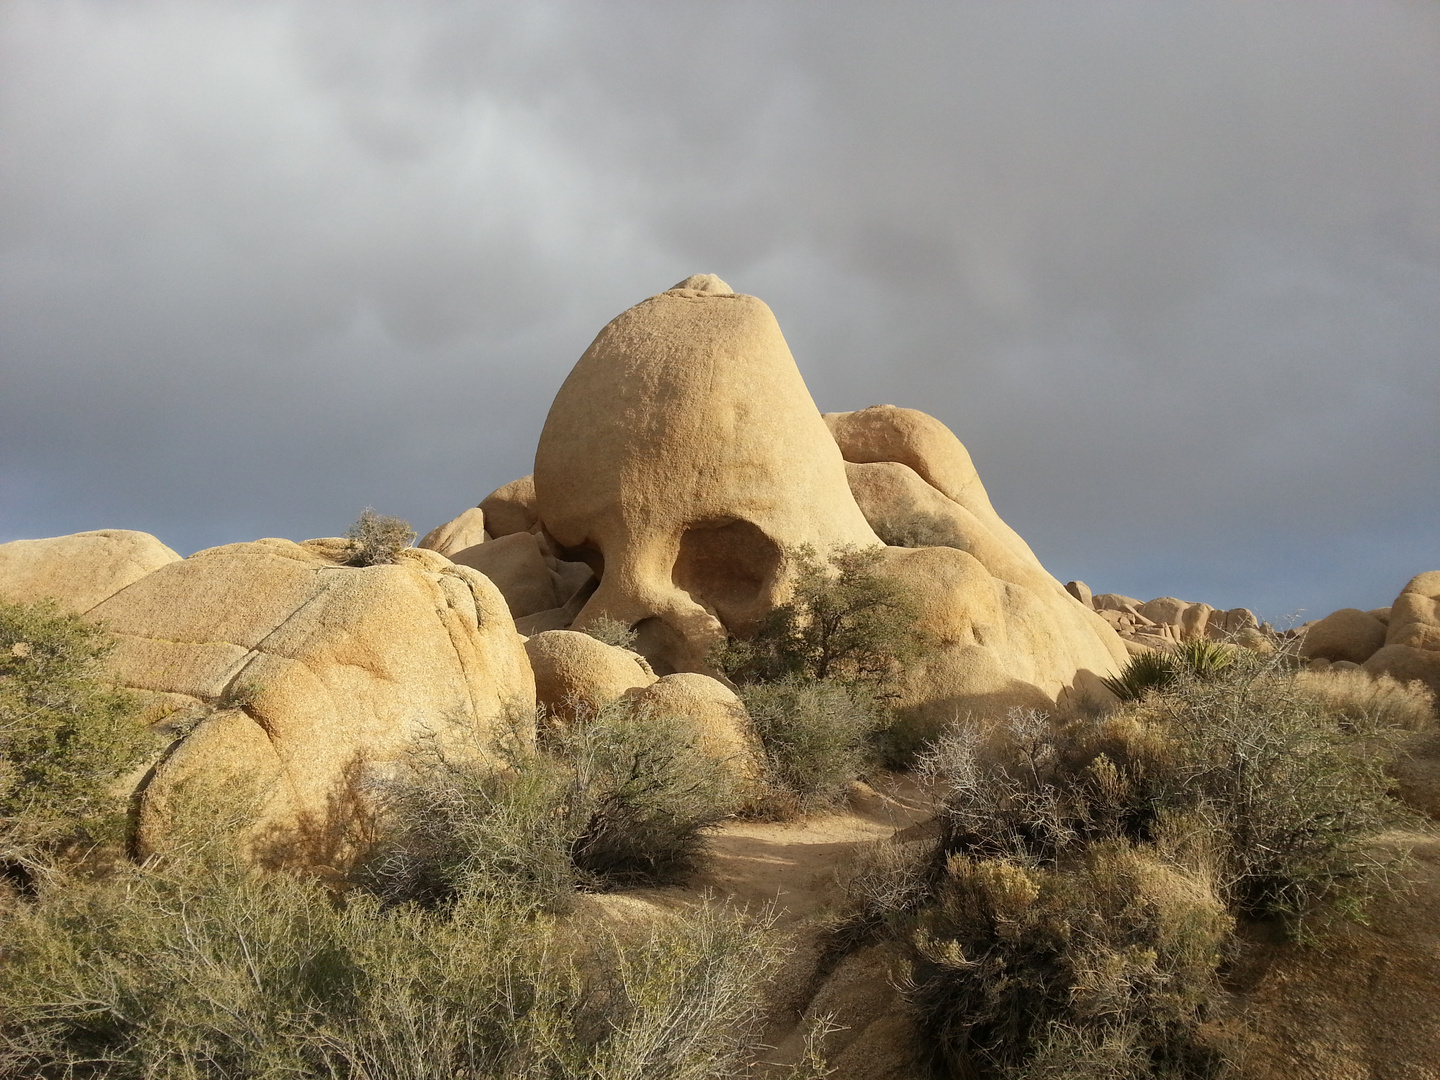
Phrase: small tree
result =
(846, 620)
(379, 539)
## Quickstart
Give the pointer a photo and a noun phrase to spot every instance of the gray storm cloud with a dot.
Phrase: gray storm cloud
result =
(1172, 272)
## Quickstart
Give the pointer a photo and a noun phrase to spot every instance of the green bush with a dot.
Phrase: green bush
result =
(1017, 962)
(378, 539)
(846, 620)
(198, 968)
(622, 798)
(817, 736)
(66, 737)
(1291, 790)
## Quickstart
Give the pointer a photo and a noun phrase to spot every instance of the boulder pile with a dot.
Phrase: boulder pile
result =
(1165, 622)
(682, 477)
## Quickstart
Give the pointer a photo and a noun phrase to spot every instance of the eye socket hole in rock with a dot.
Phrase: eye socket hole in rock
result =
(728, 566)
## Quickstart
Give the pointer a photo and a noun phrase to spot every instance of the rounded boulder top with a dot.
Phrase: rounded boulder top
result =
(702, 285)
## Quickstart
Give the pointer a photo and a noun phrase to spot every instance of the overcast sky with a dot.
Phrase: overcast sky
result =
(1170, 271)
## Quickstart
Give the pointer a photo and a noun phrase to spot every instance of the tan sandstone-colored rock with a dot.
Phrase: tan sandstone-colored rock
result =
(911, 437)
(682, 458)
(462, 532)
(994, 643)
(79, 570)
(515, 565)
(721, 722)
(1080, 591)
(1006, 632)
(1412, 640)
(576, 674)
(1110, 601)
(1347, 634)
(511, 508)
(312, 678)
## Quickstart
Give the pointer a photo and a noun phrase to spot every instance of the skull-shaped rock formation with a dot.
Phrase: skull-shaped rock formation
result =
(683, 458)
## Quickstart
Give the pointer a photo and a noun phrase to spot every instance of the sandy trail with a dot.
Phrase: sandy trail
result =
(792, 865)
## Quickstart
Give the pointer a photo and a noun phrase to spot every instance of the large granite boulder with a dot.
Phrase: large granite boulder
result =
(1412, 640)
(79, 570)
(682, 459)
(279, 668)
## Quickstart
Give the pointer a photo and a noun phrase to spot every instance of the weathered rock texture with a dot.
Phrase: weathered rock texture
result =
(1412, 640)
(516, 566)
(79, 570)
(1007, 632)
(576, 674)
(511, 508)
(462, 532)
(1347, 634)
(682, 458)
(309, 678)
(684, 461)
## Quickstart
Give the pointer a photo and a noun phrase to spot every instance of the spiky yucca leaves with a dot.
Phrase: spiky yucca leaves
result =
(1200, 659)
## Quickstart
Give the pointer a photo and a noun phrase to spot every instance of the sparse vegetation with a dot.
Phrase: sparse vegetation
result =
(1016, 962)
(378, 539)
(66, 736)
(819, 676)
(817, 735)
(199, 968)
(612, 632)
(623, 799)
(846, 621)
(1068, 919)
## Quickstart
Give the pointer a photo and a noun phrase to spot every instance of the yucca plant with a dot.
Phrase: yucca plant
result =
(1144, 673)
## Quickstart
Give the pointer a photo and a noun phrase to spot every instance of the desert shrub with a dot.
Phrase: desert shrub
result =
(817, 736)
(378, 539)
(1295, 791)
(845, 621)
(199, 968)
(623, 798)
(645, 792)
(66, 736)
(1369, 703)
(1292, 792)
(881, 888)
(1112, 953)
(612, 632)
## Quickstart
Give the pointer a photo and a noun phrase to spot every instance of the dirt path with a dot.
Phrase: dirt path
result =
(793, 865)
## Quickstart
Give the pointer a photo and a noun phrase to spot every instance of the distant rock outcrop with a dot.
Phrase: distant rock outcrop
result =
(1347, 634)
(79, 570)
